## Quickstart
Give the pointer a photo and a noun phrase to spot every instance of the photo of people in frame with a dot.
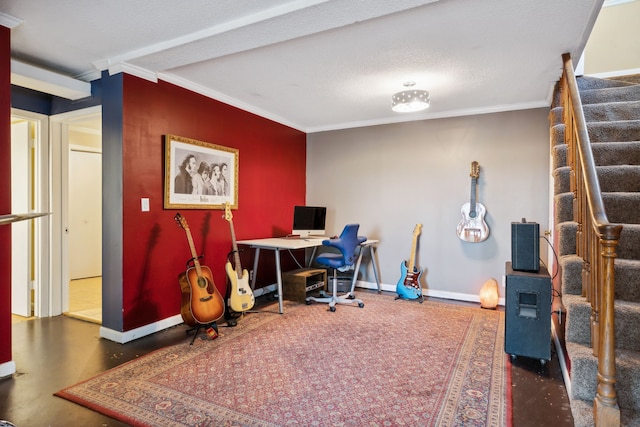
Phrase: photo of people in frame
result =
(199, 174)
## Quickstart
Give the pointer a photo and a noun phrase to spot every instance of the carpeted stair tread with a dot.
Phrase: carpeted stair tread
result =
(618, 131)
(622, 207)
(586, 83)
(578, 328)
(564, 207)
(571, 266)
(582, 412)
(555, 116)
(611, 111)
(559, 155)
(627, 278)
(616, 153)
(561, 179)
(567, 243)
(619, 178)
(611, 94)
(557, 134)
(629, 245)
(604, 153)
(631, 79)
(584, 369)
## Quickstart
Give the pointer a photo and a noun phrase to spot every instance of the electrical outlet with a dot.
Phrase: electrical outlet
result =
(504, 281)
(251, 275)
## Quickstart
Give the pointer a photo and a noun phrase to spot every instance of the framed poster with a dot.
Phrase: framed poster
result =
(199, 175)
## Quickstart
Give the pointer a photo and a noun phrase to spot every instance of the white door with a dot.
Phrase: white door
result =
(85, 213)
(20, 231)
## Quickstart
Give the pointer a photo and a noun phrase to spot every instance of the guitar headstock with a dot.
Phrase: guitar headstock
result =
(182, 222)
(227, 212)
(417, 230)
(475, 170)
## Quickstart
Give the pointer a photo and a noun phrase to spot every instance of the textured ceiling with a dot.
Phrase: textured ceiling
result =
(310, 64)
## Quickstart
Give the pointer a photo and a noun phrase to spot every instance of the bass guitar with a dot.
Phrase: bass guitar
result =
(408, 286)
(472, 227)
(241, 297)
(201, 300)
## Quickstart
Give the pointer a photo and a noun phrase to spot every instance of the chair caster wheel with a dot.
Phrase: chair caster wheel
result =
(332, 309)
(360, 304)
(308, 302)
(351, 296)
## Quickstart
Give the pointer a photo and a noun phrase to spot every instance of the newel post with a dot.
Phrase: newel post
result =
(606, 411)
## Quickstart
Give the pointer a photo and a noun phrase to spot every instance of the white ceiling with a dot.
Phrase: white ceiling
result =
(315, 65)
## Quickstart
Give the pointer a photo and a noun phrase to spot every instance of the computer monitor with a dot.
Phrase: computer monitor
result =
(309, 220)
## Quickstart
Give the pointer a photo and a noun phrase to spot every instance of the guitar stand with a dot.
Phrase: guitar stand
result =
(419, 299)
(197, 328)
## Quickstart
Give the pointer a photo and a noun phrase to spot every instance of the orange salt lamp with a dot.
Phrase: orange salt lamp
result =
(489, 294)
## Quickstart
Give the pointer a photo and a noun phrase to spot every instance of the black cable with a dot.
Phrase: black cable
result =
(555, 255)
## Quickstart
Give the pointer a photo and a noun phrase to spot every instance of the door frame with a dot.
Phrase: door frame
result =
(59, 137)
(42, 226)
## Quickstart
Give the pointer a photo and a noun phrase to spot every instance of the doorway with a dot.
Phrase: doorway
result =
(73, 136)
(30, 248)
(85, 229)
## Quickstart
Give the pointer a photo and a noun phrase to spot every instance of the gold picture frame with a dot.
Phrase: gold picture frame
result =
(199, 175)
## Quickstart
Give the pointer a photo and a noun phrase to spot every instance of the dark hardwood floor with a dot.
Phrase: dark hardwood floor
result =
(53, 353)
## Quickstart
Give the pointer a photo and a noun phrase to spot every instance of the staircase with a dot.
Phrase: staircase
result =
(612, 111)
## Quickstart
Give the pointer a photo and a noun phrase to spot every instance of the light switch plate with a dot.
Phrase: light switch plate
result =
(144, 202)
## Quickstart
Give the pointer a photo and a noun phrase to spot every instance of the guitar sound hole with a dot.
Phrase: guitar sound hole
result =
(202, 282)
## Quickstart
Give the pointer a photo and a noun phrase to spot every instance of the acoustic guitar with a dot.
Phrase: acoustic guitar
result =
(201, 300)
(240, 297)
(472, 227)
(408, 286)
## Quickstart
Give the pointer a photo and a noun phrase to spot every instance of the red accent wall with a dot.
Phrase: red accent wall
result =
(272, 164)
(5, 194)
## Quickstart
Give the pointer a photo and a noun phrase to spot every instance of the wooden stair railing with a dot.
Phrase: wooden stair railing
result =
(596, 243)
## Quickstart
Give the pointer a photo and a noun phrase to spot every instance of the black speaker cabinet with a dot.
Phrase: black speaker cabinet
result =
(528, 314)
(525, 246)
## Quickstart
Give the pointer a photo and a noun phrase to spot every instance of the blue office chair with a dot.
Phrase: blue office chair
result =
(346, 244)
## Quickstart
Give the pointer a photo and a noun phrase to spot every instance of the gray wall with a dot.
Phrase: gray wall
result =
(389, 178)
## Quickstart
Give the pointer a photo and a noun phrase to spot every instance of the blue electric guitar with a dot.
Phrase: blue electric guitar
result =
(472, 227)
(241, 297)
(408, 286)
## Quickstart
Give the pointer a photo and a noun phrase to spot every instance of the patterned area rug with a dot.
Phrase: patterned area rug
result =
(391, 363)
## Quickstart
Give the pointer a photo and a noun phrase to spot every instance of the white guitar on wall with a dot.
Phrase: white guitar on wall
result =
(472, 227)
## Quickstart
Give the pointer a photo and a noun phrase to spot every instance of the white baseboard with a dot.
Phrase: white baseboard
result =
(618, 73)
(427, 292)
(124, 337)
(7, 369)
(561, 358)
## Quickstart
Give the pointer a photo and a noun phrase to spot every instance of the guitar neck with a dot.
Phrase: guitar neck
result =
(412, 258)
(472, 202)
(194, 254)
(236, 254)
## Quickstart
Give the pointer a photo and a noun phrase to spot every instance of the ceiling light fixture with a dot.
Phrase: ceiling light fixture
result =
(410, 101)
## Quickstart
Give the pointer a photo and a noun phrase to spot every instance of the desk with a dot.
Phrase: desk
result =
(277, 243)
